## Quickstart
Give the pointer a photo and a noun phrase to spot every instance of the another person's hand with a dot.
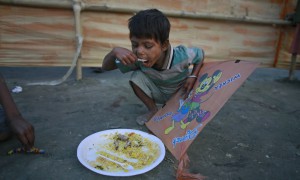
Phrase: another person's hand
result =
(124, 55)
(23, 130)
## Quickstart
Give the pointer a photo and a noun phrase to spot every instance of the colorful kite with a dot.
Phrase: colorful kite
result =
(180, 121)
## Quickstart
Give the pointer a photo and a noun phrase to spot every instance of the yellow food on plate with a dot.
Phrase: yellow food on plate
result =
(129, 149)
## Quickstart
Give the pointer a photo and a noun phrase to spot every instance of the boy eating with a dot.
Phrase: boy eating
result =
(159, 70)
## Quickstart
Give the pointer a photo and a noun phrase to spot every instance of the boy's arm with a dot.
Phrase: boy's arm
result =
(191, 79)
(19, 126)
(196, 69)
(109, 62)
(124, 55)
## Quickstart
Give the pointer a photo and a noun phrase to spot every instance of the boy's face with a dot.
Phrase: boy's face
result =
(148, 49)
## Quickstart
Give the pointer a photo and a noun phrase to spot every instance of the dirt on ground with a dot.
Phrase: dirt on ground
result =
(256, 135)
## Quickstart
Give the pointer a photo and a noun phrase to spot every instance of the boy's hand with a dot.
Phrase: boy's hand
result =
(188, 86)
(124, 55)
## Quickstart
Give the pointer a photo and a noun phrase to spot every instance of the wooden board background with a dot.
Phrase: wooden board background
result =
(43, 33)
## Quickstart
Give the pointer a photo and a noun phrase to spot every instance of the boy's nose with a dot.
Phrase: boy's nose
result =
(140, 51)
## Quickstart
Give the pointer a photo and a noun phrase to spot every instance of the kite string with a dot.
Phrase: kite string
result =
(183, 170)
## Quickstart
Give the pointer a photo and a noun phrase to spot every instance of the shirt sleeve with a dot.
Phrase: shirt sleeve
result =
(197, 55)
(125, 68)
(193, 55)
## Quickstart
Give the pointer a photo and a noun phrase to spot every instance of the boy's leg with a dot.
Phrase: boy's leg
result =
(147, 101)
(5, 132)
(147, 92)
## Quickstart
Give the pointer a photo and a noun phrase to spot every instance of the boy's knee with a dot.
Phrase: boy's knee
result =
(136, 76)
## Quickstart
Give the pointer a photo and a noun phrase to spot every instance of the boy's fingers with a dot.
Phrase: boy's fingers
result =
(133, 57)
(128, 59)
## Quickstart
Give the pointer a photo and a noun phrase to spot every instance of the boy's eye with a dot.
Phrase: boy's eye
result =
(148, 46)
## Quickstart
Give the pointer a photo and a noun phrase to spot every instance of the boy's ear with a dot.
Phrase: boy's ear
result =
(165, 45)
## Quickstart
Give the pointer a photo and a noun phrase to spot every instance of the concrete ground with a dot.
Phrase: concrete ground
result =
(256, 135)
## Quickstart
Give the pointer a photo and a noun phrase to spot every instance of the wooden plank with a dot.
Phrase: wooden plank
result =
(46, 36)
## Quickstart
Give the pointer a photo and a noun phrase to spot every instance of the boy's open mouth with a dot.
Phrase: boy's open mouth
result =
(142, 60)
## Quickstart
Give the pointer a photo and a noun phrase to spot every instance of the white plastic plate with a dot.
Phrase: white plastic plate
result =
(86, 151)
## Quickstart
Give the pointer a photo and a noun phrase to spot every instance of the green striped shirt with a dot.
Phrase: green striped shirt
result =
(176, 67)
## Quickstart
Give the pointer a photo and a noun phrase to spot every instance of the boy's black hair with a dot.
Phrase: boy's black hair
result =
(150, 23)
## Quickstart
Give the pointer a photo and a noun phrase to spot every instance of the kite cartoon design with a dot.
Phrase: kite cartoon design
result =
(190, 109)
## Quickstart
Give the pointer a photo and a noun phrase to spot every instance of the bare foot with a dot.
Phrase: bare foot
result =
(141, 120)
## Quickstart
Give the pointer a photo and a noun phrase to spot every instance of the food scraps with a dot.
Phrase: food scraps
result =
(128, 148)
